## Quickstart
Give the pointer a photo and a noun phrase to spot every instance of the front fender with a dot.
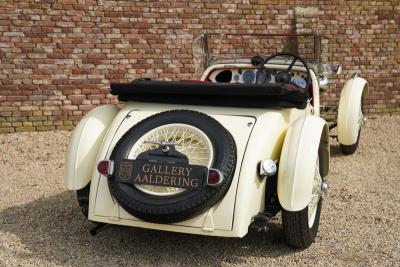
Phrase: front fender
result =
(348, 112)
(84, 145)
(305, 139)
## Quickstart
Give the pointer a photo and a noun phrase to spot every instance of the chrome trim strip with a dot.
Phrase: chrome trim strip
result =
(110, 167)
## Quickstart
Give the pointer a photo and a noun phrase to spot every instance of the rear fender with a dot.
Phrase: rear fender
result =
(348, 113)
(84, 146)
(306, 138)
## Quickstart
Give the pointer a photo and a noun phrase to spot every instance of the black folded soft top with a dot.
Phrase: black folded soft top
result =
(212, 94)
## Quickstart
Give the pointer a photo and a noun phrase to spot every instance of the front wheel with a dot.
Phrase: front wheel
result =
(350, 149)
(300, 227)
(355, 128)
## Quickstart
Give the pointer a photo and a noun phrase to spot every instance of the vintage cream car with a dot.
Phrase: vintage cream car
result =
(215, 156)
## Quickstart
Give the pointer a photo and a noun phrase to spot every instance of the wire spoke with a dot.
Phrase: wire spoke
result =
(191, 142)
(315, 195)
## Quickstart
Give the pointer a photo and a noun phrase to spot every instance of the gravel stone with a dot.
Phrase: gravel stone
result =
(41, 224)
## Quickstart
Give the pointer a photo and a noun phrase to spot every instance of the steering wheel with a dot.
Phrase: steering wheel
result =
(281, 76)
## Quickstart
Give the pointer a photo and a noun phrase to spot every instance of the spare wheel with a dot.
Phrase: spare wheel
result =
(202, 139)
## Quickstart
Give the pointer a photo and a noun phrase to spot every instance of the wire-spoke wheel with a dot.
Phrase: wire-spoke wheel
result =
(316, 195)
(301, 227)
(189, 140)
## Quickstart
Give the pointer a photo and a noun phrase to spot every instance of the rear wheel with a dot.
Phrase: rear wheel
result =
(83, 199)
(300, 227)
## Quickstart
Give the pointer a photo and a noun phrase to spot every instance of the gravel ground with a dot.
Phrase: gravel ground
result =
(41, 224)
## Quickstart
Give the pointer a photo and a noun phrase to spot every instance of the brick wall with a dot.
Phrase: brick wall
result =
(57, 58)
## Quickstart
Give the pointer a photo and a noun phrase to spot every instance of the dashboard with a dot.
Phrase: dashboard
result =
(248, 75)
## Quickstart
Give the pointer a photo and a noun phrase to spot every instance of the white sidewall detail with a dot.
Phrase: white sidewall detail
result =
(349, 110)
(84, 145)
(298, 161)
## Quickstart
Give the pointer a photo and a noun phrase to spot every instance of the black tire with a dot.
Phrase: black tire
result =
(188, 204)
(295, 227)
(350, 149)
(83, 199)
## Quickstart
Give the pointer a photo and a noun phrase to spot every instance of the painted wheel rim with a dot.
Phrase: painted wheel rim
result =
(192, 142)
(316, 195)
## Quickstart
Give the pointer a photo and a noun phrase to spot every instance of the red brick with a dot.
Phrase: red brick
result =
(4, 129)
(16, 98)
(45, 128)
(67, 2)
(86, 107)
(53, 62)
(25, 129)
(76, 99)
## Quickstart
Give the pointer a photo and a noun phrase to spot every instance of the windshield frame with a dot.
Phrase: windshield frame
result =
(208, 58)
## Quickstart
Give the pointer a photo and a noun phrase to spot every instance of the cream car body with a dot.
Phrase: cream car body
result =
(297, 139)
(350, 111)
(232, 216)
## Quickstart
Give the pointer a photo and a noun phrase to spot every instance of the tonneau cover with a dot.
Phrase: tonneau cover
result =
(214, 94)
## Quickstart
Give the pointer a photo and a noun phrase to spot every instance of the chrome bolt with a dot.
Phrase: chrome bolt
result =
(324, 189)
(267, 168)
(364, 120)
(165, 149)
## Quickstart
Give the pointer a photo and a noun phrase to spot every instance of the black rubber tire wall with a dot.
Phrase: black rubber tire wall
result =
(190, 203)
(350, 149)
(295, 227)
(83, 199)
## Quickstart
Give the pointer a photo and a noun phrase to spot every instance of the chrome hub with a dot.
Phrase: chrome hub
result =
(324, 189)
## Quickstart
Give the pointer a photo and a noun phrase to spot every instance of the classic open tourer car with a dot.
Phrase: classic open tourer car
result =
(218, 155)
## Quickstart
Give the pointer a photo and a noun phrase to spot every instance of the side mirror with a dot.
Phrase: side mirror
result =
(323, 83)
(330, 69)
(336, 69)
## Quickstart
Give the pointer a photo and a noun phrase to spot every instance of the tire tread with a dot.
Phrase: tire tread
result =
(350, 149)
(295, 227)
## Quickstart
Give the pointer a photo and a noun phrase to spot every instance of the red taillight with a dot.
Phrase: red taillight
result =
(215, 177)
(105, 167)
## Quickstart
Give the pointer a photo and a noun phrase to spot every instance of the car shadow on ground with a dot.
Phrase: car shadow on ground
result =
(335, 151)
(53, 229)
